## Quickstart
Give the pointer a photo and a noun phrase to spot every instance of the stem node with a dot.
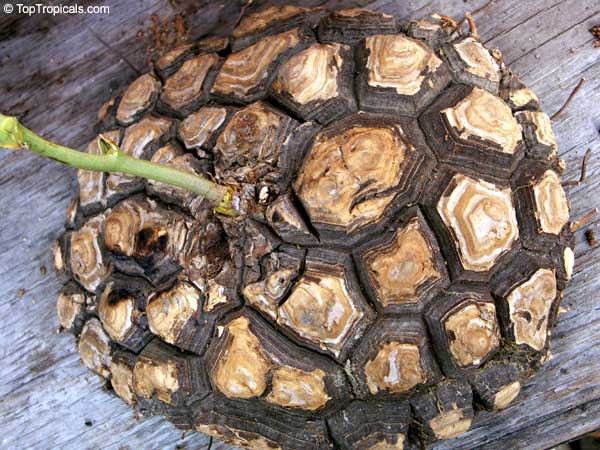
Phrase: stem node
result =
(9, 133)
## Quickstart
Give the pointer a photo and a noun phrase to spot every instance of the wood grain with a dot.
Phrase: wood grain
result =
(56, 72)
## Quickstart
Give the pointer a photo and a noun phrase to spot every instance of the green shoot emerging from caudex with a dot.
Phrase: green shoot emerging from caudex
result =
(13, 135)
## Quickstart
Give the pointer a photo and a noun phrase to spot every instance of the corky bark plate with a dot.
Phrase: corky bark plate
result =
(399, 260)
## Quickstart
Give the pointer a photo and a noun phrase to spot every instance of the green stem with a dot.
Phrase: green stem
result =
(16, 136)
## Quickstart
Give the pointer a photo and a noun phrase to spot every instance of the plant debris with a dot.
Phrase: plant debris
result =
(496, 54)
(168, 35)
(584, 220)
(472, 26)
(469, 16)
(590, 236)
(569, 99)
(21, 292)
(595, 30)
(583, 175)
(448, 23)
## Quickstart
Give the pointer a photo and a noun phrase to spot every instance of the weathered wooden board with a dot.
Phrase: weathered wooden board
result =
(56, 71)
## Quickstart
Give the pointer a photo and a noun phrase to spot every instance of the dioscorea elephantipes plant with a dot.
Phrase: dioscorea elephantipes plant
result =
(326, 230)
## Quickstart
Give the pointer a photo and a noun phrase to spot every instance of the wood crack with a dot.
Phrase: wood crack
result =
(511, 63)
(114, 51)
(111, 49)
(517, 25)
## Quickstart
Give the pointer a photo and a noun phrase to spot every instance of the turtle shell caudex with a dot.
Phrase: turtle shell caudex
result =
(399, 260)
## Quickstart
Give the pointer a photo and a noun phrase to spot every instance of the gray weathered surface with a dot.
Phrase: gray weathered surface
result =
(55, 72)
